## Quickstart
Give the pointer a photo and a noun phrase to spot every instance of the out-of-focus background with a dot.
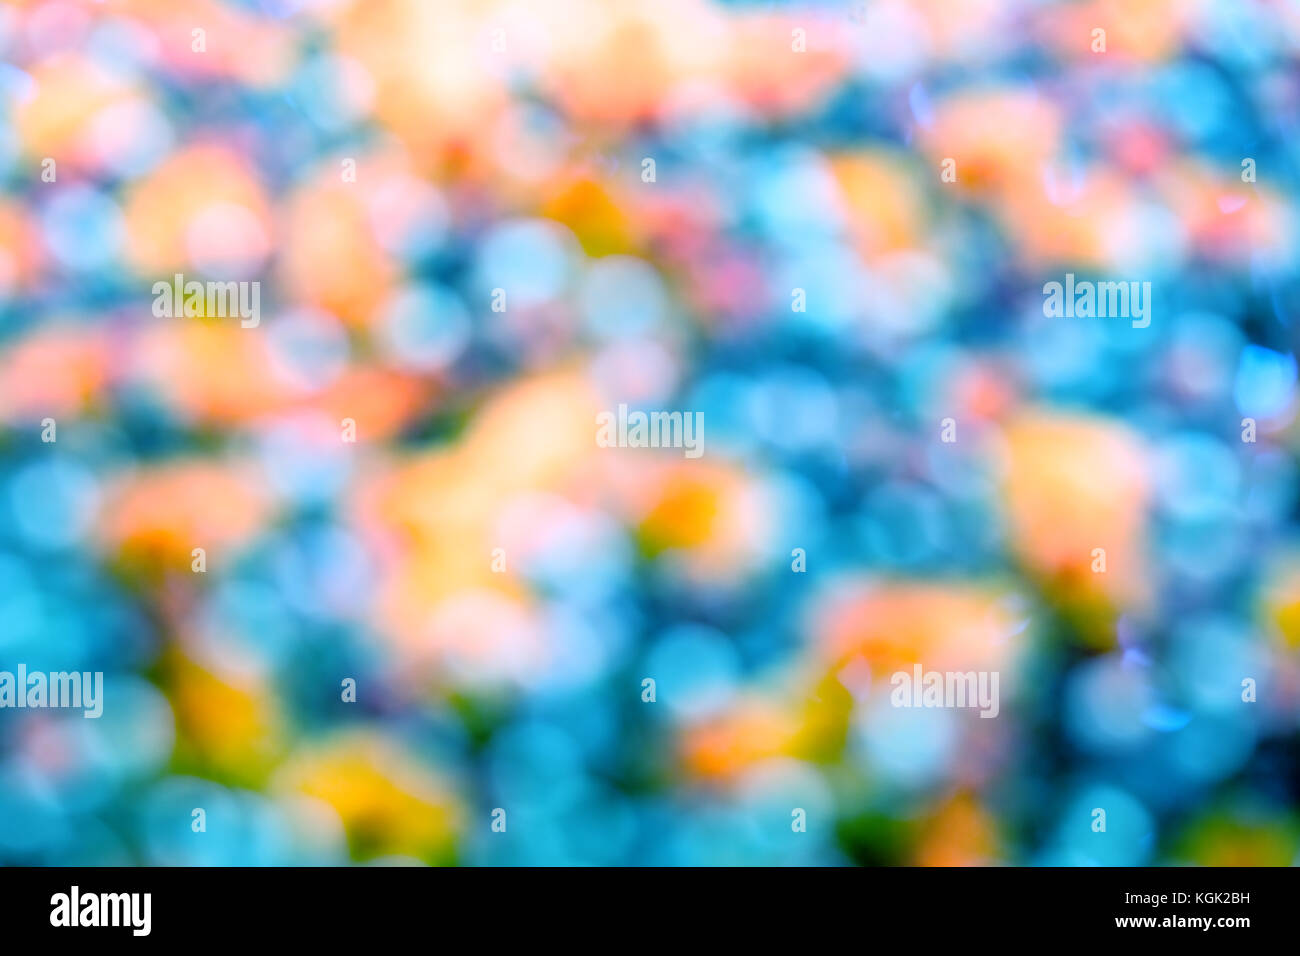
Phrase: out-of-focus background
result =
(462, 250)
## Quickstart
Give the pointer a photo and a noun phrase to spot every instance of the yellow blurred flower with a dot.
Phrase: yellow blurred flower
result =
(213, 372)
(69, 92)
(1000, 140)
(960, 833)
(390, 804)
(154, 518)
(226, 727)
(189, 210)
(751, 732)
(330, 256)
(893, 625)
(1075, 493)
